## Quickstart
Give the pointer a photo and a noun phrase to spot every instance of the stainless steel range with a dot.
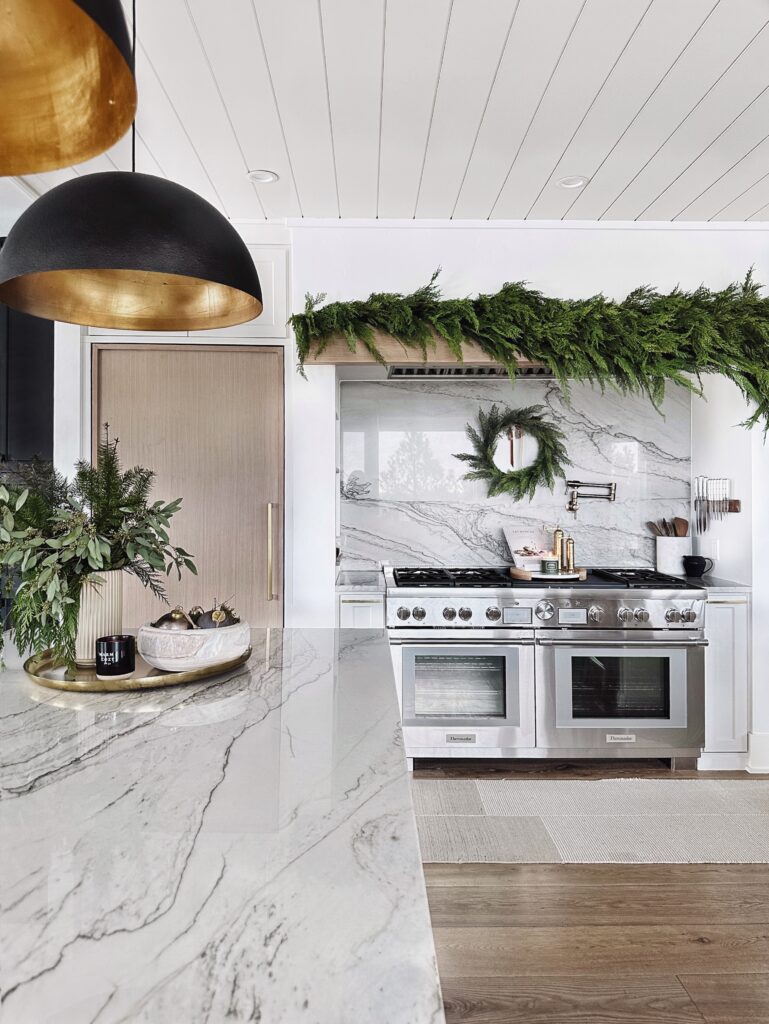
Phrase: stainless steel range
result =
(488, 666)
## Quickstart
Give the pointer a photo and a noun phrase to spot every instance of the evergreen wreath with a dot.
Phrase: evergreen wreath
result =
(550, 462)
(636, 345)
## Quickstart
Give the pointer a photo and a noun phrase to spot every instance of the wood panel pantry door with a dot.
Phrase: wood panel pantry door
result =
(209, 421)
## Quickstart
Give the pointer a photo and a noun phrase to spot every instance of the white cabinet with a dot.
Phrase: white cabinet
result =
(727, 673)
(361, 611)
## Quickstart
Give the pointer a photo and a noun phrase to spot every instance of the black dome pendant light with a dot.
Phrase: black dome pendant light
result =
(67, 89)
(129, 251)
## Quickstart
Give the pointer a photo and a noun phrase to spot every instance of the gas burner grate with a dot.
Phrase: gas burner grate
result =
(647, 579)
(470, 577)
(415, 577)
(481, 577)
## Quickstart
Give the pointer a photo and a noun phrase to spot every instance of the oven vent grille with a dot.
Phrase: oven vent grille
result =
(459, 371)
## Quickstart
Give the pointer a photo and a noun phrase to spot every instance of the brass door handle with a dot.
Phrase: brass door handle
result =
(270, 554)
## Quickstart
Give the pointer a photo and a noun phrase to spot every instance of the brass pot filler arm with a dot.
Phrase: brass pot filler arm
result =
(573, 487)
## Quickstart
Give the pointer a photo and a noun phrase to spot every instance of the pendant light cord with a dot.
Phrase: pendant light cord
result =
(133, 124)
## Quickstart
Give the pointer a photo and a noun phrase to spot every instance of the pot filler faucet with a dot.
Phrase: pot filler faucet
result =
(573, 487)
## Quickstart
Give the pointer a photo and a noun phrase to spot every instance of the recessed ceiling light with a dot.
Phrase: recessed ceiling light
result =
(573, 181)
(262, 177)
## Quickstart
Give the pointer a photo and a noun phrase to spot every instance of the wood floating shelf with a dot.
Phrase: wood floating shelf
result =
(394, 352)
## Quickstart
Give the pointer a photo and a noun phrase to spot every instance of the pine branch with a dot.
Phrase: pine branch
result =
(639, 345)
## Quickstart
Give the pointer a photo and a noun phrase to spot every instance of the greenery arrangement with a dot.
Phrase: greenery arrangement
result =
(518, 483)
(637, 345)
(55, 534)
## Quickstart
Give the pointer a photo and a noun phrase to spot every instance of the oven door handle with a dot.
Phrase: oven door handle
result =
(458, 641)
(627, 644)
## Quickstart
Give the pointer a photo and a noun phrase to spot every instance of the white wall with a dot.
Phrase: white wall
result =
(722, 448)
(68, 396)
(349, 259)
(311, 482)
(738, 543)
(759, 737)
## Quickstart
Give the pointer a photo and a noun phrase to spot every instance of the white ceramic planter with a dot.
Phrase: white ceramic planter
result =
(670, 554)
(101, 613)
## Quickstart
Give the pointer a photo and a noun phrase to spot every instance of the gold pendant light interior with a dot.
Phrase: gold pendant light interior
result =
(130, 300)
(67, 92)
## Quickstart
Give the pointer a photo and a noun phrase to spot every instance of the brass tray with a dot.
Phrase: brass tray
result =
(43, 671)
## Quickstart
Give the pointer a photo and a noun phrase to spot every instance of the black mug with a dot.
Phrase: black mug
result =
(696, 565)
(115, 657)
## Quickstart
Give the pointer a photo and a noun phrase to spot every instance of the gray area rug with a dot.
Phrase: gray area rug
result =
(607, 821)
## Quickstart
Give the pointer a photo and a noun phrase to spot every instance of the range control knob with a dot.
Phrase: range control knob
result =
(544, 610)
(595, 614)
(449, 614)
(403, 614)
(419, 614)
(493, 614)
(672, 615)
(641, 615)
(465, 614)
(689, 615)
(625, 614)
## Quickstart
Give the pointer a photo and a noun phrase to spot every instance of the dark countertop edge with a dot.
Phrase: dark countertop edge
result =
(708, 582)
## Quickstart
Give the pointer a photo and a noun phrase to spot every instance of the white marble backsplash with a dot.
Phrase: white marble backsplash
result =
(404, 501)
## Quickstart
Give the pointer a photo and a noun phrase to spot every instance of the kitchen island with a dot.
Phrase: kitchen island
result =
(241, 850)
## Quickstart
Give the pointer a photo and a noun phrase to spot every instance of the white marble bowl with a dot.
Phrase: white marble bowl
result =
(185, 650)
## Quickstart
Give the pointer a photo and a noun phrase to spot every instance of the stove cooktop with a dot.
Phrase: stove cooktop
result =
(498, 577)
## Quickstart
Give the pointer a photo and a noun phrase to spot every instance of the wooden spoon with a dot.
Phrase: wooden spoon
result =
(654, 528)
(681, 526)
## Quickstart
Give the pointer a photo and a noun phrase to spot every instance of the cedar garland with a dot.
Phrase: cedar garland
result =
(636, 345)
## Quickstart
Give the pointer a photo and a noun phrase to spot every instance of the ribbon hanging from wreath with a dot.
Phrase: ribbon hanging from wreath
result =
(550, 462)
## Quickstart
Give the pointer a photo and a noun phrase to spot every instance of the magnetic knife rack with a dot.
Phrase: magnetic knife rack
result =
(712, 499)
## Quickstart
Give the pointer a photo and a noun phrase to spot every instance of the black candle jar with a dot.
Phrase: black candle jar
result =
(115, 657)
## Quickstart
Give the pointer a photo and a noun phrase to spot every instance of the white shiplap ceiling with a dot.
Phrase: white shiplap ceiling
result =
(456, 108)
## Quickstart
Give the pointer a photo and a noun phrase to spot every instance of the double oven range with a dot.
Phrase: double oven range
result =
(488, 666)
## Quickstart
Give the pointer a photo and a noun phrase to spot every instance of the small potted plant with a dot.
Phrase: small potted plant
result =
(64, 546)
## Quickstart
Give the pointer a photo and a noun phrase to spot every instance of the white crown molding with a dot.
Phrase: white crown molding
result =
(296, 223)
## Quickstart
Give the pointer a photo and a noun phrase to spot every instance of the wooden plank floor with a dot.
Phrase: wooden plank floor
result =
(599, 943)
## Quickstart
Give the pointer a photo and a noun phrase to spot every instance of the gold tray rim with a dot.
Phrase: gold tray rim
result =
(40, 662)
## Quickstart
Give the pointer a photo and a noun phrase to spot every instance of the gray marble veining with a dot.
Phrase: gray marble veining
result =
(225, 851)
(404, 501)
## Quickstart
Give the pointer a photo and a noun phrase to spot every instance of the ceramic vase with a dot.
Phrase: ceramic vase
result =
(101, 613)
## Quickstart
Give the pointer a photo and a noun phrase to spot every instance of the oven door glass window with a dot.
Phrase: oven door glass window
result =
(460, 683)
(608, 686)
(596, 687)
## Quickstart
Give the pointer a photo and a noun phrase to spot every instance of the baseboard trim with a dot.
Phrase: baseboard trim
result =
(726, 762)
(758, 756)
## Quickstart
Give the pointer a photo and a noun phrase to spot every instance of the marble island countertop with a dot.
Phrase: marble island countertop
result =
(234, 851)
